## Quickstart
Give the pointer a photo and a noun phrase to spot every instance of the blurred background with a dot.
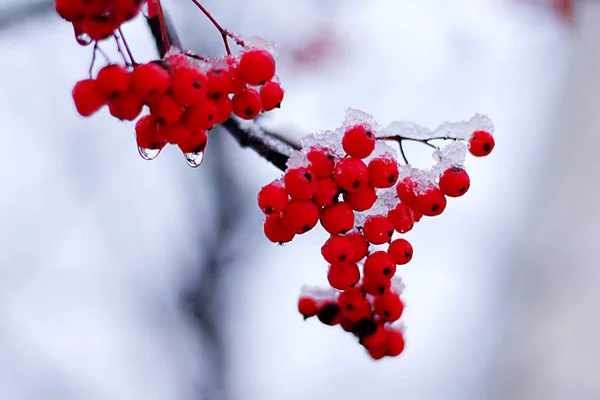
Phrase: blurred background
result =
(127, 279)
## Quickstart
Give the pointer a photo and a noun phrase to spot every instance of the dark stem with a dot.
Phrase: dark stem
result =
(223, 32)
(120, 50)
(133, 63)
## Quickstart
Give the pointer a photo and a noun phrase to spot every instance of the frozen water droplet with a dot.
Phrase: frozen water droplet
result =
(194, 159)
(149, 154)
(82, 38)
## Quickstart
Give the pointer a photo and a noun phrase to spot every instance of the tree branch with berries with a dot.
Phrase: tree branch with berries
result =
(352, 179)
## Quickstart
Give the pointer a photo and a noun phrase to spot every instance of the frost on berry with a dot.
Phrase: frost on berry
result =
(365, 196)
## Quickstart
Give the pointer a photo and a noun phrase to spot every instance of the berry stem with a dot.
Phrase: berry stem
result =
(120, 50)
(133, 63)
(195, 56)
(223, 32)
(400, 139)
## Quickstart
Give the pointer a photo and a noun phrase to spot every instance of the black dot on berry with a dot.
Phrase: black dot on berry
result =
(197, 84)
(387, 271)
(330, 157)
(160, 121)
(306, 228)
(210, 117)
(390, 233)
(381, 290)
(369, 134)
(435, 207)
(487, 147)
(278, 105)
(328, 313)
(249, 111)
(342, 258)
(153, 146)
(365, 327)
(462, 190)
(154, 92)
(407, 254)
(216, 95)
(392, 178)
(349, 307)
(269, 210)
(343, 231)
(263, 82)
(356, 184)
(386, 314)
(308, 176)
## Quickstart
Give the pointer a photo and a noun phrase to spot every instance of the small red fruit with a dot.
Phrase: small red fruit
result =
(358, 141)
(271, 96)
(378, 229)
(307, 306)
(113, 80)
(338, 249)
(167, 110)
(272, 198)
(321, 162)
(300, 183)
(481, 143)
(401, 251)
(362, 199)
(327, 192)
(189, 86)
(402, 218)
(351, 174)
(383, 172)
(247, 104)
(432, 202)
(360, 245)
(388, 306)
(379, 267)
(343, 276)
(87, 98)
(337, 218)
(256, 67)
(276, 231)
(455, 182)
(146, 134)
(196, 143)
(300, 216)
(151, 80)
(406, 191)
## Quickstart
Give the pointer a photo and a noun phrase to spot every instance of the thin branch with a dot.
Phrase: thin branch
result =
(120, 49)
(133, 63)
(403, 153)
(223, 32)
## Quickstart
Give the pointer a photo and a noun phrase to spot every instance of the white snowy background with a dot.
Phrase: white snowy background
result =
(96, 243)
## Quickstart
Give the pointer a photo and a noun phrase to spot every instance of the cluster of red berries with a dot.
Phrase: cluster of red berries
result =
(362, 197)
(97, 19)
(186, 98)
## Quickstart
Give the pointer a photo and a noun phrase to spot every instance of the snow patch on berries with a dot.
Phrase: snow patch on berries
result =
(455, 130)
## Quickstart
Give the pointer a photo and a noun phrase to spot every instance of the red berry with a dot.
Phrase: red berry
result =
(272, 198)
(113, 80)
(377, 353)
(375, 288)
(220, 81)
(327, 192)
(151, 80)
(276, 231)
(300, 216)
(125, 10)
(351, 174)
(383, 172)
(358, 141)
(128, 106)
(388, 306)
(247, 104)
(337, 250)
(343, 276)
(406, 191)
(224, 109)
(353, 304)
(455, 182)
(374, 338)
(401, 251)
(196, 142)
(71, 10)
(146, 134)
(417, 215)
(432, 202)
(359, 244)
(337, 218)
(189, 86)
(87, 98)
(401, 218)
(379, 267)
(98, 27)
(321, 162)
(271, 95)
(175, 133)
(307, 306)
(300, 183)
(256, 67)
(394, 343)
(362, 199)
(201, 116)
(167, 110)
(378, 229)
(481, 143)
(329, 313)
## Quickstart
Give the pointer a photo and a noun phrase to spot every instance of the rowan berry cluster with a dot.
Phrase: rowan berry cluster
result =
(351, 182)
(186, 94)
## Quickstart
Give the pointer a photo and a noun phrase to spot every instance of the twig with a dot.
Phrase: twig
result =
(223, 32)
(133, 63)
(400, 139)
(93, 60)
(120, 49)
